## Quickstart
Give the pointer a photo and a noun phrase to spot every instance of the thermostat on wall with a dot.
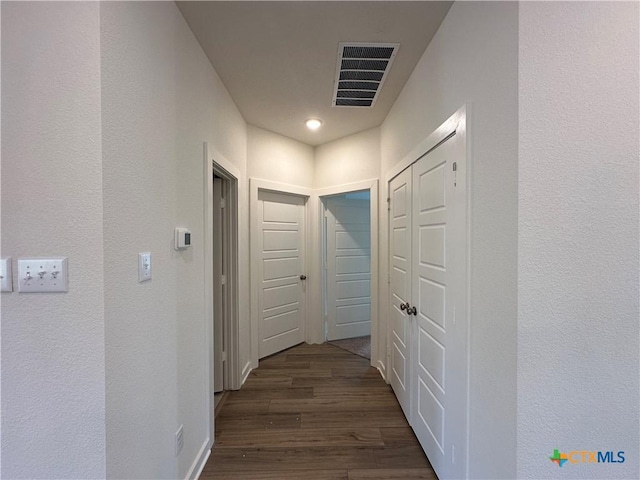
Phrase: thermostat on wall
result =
(183, 238)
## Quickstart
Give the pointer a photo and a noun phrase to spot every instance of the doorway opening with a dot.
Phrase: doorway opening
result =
(221, 305)
(346, 257)
(225, 274)
(221, 277)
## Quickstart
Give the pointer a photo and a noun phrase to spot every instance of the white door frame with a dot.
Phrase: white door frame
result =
(455, 125)
(213, 160)
(255, 185)
(220, 245)
(377, 333)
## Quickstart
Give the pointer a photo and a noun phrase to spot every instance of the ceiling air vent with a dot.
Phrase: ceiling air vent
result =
(362, 69)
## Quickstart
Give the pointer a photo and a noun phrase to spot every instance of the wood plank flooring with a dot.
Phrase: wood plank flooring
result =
(314, 412)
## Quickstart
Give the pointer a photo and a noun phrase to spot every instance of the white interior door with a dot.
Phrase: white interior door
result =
(218, 285)
(436, 238)
(281, 300)
(348, 267)
(400, 287)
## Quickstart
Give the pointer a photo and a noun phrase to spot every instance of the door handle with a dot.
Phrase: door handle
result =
(404, 306)
(412, 311)
(303, 277)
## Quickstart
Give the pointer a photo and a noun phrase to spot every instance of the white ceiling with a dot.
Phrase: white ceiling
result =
(278, 59)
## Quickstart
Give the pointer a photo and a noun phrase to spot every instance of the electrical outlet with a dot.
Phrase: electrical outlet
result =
(144, 266)
(6, 280)
(179, 439)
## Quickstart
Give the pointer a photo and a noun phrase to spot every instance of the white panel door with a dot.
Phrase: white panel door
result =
(348, 268)
(281, 242)
(400, 287)
(434, 345)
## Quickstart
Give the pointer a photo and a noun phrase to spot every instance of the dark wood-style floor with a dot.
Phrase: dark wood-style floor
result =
(314, 412)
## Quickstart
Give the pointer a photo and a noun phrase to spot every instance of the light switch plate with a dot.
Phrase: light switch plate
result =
(6, 280)
(42, 275)
(144, 266)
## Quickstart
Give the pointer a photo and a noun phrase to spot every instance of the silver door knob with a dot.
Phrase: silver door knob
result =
(303, 277)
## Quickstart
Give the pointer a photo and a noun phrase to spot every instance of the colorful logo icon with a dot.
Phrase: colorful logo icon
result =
(559, 458)
(587, 456)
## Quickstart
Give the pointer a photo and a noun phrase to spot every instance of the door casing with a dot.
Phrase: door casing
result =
(214, 161)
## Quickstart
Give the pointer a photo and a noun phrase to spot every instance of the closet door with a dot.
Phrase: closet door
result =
(428, 271)
(400, 287)
(433, 348)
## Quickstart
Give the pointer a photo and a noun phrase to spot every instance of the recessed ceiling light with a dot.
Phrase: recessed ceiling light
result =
(313, 123)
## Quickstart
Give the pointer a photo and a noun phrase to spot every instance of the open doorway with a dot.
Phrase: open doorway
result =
(220, 269)
(347, 271)
(225, 274)
(222, 191)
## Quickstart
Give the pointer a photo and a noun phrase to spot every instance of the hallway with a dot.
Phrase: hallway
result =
(314, 412)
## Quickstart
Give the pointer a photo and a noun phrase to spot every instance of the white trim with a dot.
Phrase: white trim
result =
(254, 227)
(315, 324)
(465, 114)
(222, 162)
(255, 185)
(347, 187)
(201, 460)
(211, 157)
(260, 184)
(246, 371)
(208, 284)
(443, 131)
(376, 324)
(232, 280)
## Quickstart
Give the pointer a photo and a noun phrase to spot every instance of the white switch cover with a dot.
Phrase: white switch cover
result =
(42, 275)
(144, 266)
(6, 282)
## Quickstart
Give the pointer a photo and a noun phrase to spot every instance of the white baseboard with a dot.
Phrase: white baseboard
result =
(245, 373)
(383, 371)
(199, 463)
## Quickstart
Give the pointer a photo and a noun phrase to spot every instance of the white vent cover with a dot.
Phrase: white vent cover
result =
(361, 71)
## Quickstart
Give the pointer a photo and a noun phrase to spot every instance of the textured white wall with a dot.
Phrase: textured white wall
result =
(349, 159)
(578, 237)
(162, 99)
(53, 410)
(474, 58)
(280, 159)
